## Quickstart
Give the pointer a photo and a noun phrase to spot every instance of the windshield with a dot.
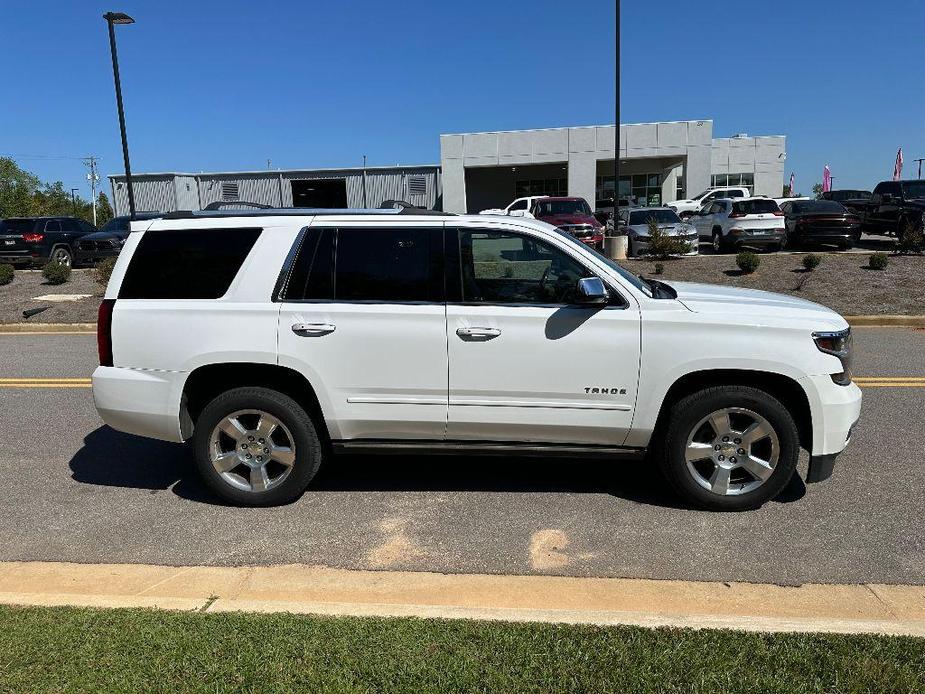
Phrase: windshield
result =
(616, 267)
(660, 217)
(552, 207)
(17, 226)
(116, 224)
(914, 189)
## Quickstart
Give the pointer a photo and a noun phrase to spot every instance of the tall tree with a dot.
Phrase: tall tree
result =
(103, 210)
(17, 189)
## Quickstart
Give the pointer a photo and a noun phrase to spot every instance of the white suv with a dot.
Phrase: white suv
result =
(277, 339)
(729, 224)
(686, 207)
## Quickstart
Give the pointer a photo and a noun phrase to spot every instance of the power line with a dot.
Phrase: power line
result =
(41, 156)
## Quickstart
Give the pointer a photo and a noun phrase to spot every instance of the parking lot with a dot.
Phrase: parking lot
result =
(78, 491)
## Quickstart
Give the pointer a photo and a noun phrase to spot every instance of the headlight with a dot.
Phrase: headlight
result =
(837, 344)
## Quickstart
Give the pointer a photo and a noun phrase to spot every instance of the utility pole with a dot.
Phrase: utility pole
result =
(93, 177)
(920, 166)
(616, 130)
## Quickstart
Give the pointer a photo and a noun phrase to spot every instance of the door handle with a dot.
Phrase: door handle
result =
(478, 334)
(312, 329)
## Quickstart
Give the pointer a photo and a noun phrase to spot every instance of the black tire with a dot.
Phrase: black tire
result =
(62, 255)
(719, 244)
(308, 450)
(689, 411)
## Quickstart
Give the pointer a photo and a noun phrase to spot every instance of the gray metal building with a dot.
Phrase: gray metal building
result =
(659, 162)
(356, 187)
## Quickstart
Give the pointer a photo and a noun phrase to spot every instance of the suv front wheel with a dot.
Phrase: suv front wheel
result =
(729, 448)
(256, 447)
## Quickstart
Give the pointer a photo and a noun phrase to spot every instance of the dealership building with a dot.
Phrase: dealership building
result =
(659, 162)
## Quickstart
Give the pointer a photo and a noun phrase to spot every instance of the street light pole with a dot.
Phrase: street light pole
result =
(113, 18)
(616, 130)
(920, 166)
(74, 200)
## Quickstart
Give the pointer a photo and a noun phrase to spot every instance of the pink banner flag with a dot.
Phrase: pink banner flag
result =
(791, 185)
(898, 166)
(826, 179)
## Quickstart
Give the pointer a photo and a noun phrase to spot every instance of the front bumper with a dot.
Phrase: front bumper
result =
(93, 257)
(835, 411)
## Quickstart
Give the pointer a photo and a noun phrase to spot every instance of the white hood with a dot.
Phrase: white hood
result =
(748, 304)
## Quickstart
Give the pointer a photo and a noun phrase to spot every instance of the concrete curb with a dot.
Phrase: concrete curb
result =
(886, 321)
(37, 328)
(300, 589)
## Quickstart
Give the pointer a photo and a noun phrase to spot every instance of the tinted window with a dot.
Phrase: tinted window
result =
(818, 207)
(70, 225)
(734, 194)
(554, 207)
(313, 272)
(389, 265)
(53, 225)
(187, 264)
(756, 206)
(18, 226)
(519, 205)
(501, 267)
(116, 224)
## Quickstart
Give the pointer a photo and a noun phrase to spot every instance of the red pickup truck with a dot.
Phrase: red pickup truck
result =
(573, 216)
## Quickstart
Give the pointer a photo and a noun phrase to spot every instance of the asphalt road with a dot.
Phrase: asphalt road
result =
(74, 490)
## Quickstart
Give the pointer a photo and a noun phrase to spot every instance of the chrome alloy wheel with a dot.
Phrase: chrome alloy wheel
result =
(732, 451)
(252, 450)
(61, 256)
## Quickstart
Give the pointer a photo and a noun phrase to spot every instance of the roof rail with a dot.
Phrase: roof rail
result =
(266, 211)
(219, 204)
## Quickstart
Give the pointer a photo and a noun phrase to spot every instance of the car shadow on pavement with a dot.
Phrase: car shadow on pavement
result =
(113, 459)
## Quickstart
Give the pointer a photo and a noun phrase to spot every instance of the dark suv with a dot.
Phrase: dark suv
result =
(108, 241)
(38, 240)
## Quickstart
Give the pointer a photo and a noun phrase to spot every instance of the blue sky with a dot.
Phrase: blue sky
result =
(227, 85)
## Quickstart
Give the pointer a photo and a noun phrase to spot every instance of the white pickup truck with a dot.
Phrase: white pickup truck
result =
(684, 208)
(280, 338)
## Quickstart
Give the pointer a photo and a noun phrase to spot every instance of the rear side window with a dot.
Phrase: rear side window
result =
(186, 264)
(734, 194)
(756, 207)
(363, 264)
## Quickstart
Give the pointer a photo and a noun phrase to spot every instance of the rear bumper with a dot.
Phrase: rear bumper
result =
(146, 403)
(745, 238)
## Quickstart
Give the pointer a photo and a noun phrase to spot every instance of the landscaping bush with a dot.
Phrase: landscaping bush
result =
(103, 271)
(6, 274)
(663, 246)
(748, 262)
(811, 261)
(879, 261)
(56, 273)
(911, 238)
(659, 268)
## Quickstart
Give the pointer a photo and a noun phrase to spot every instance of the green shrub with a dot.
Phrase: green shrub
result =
(811, 261)
(748, 262)
(663, 246)
(56, 273)
(659, 268)
(878, 261)
(911, 238)
(6, 274)
(103, 270)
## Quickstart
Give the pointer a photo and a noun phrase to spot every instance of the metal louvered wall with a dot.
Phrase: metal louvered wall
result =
(419, 185)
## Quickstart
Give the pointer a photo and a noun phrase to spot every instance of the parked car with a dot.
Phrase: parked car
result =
(730, 224)
(34, 241)
(308, 335)
(782, 201)
(635, 222)
(519, 208)
(820, 221)
(892, 206)
(573, 216)
(108, 241)
(853, 200)
(685, 208)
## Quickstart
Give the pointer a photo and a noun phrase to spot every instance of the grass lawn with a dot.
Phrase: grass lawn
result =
(70, 649)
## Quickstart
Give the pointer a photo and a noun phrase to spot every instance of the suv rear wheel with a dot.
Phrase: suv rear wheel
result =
(61, 255)
(729, 448)
(256, 447)
(719, 246)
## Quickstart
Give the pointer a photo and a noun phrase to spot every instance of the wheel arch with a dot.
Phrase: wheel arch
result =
(206, 382)
(784, 388)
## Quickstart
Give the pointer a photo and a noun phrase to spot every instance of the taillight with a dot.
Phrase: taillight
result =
(33, 238)
(736, 215)
(104, 331)
(778, 213)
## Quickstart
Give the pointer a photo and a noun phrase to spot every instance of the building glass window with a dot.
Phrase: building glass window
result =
(646, 188)
(745, 180)
(541, 186)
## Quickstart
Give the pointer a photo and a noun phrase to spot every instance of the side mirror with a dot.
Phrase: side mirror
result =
(517, 213)
(591, 290)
